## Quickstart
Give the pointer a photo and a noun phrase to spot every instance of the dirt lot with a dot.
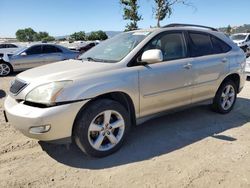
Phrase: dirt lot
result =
(192, 148)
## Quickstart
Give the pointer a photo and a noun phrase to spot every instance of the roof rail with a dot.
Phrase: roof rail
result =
(189, 25)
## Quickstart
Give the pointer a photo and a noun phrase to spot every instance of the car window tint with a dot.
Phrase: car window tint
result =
(219, 46)
(172, 46)
(34, 50)
(200, 44)
(11, 46)
(50, 49)
(2, 46)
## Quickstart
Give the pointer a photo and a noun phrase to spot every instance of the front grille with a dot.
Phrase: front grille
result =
(17, 86)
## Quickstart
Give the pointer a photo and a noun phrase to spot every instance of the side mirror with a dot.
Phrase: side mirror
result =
(23, 54)
(152, 56)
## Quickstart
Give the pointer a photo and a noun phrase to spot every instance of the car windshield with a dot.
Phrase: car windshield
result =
(115, 49)
(238, 37)
(17, 52)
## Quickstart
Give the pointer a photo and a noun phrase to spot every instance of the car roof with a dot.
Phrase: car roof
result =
(180, 28)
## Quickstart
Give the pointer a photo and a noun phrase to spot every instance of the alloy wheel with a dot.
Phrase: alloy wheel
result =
(4, 69)
(106, 130)
(227, 97)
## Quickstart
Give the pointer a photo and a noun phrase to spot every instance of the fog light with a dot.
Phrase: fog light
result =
(40, 129)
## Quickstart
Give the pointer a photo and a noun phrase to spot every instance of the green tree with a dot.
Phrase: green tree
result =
(130, 8)
(41, 35)
(97, 35)
(29, 35)
(164, 8)
(48, 39)
(26, 35)
(78, 36)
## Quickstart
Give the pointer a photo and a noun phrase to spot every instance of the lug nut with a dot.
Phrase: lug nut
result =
(108, 133)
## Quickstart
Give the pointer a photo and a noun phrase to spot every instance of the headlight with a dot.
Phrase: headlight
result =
(47, 93)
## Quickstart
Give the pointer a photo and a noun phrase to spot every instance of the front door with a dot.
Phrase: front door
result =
(166, 84)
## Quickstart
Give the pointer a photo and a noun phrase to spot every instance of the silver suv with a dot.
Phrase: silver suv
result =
(121, 82)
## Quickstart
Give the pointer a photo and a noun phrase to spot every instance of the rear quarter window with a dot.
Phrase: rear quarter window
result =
(219, 46)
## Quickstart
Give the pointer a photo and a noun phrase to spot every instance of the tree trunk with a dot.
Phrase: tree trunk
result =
(158, 23)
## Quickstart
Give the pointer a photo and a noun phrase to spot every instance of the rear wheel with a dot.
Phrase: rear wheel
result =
(5, 69)
(225, 97)
(100, 129)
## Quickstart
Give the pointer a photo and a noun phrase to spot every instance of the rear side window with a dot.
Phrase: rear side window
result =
(219, 46)
(50, 49)
(200, 44)
(34, 50)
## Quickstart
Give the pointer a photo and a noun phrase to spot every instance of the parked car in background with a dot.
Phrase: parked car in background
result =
(242, 40)
(33, 56)
(86, 47)
(124, 81)
(247, 70)
(8, 48)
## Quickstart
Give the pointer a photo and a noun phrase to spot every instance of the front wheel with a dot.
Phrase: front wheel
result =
(225, 97)
(5, 69)
(100, 128)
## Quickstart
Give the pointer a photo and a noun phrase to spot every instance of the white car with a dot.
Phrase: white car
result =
(8, 48)
(242, 40)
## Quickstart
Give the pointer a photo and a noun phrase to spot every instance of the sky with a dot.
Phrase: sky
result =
(63, 17)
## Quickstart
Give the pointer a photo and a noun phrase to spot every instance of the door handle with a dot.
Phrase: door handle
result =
(224, 60)
(187, 66)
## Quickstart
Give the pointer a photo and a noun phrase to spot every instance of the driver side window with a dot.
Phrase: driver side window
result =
(172, 46)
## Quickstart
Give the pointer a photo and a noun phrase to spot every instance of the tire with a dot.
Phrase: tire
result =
(225, 97)
(93, 134)
(5, 69)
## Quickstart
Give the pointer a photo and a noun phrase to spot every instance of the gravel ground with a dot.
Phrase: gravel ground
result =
(191, 148)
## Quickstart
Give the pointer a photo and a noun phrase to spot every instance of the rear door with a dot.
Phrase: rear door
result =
(209, 64)
(52, 54)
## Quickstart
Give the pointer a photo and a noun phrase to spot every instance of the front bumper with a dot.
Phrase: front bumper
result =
(60, 118)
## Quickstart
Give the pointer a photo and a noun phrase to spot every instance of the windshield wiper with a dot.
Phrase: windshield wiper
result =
(99, 60)
(91, 59)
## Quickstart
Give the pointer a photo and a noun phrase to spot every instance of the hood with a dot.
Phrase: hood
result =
(64, 70)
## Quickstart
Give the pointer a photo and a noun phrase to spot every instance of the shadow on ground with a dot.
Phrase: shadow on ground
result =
(159, 136)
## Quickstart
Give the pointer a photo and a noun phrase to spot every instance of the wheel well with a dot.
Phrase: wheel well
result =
(123, 98)
(235, 78)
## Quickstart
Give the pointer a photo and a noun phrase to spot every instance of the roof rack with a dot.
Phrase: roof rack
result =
(189, 25)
